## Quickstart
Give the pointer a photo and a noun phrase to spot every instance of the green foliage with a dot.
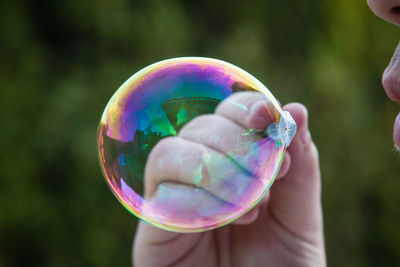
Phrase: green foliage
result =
(62, 60)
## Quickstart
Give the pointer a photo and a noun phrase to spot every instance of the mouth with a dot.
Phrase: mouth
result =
(391, 77)
(395, 10)
(396, 133)
(391, 84)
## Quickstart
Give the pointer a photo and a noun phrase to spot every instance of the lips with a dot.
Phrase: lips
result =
(396, 132)
(391, 84)
(391, 77)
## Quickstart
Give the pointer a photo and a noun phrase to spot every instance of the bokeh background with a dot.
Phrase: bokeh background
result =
(61, 61)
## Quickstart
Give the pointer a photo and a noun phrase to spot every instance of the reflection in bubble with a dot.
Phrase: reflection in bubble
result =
(183, 144)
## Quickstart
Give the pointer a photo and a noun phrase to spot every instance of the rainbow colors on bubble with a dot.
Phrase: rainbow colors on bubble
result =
(190, 144)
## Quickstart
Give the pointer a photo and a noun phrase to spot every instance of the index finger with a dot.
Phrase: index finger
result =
(251, 110)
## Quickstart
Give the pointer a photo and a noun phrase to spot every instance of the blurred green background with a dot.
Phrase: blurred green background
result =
(61, 61)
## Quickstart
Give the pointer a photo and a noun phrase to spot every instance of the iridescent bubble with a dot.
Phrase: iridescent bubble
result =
(191, 144)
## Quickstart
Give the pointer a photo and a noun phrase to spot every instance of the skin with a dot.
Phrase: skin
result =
(389, 10)
(284, 229)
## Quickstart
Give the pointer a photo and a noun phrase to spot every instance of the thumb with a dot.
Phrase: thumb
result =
(295, 198)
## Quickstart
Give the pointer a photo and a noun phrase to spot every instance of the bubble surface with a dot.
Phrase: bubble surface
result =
(191, 144)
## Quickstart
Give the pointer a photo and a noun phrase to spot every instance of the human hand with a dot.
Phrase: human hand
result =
(284, 229)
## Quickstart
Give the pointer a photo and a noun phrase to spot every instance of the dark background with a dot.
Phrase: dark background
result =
(61, 61)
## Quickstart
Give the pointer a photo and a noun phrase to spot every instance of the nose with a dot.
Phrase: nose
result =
(387, 9)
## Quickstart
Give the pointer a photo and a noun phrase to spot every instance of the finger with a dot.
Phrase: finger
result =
(166, 163)
(176, 160)
(295, 198)
(248, 150)
(254, 111)
(173, 159)
(188, 208)
(220, 134)
(249, 109)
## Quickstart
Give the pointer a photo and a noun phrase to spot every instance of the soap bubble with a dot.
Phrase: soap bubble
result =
(191, 144)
